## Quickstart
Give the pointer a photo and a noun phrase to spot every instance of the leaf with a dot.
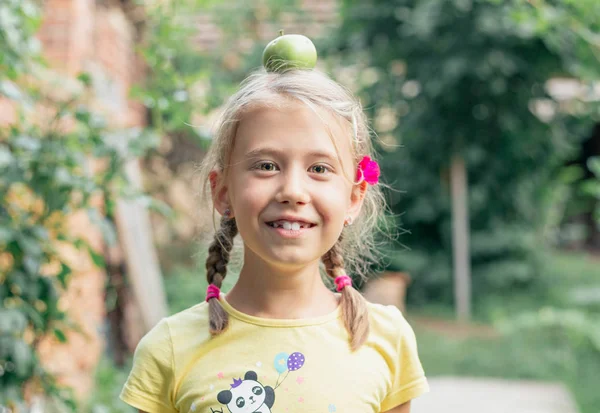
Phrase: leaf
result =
(76, 327)
(32, 265)
(30, 246)
(6, 157)
(157, 205)
(63, 275)
(35, 317)
(22, 357)
(60, 335)
(6, 235)
(83, 115)
(41, 232)
(10, 90)
(591, 187)
(594, 165)
(98, 259)
(85, 78)
(106, 227)
(141, 141)
(27, 143)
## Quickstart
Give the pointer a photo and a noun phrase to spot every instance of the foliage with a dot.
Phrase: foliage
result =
(20, 20)
(185, 286)
(551, 337)
(545, 355)
(578, 332)
(570, 28)
(186, 80)
(592, 186)
(57, 159)
(109, 381)
(470, 78)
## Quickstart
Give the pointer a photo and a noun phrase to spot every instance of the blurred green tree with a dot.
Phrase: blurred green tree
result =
(592, 186)
(470, 79)
(185, 78)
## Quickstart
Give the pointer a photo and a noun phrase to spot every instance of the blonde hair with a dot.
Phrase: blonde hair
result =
(355, 249)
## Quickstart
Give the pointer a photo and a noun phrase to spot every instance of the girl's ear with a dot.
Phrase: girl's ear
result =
(357, 197)
(219, 192)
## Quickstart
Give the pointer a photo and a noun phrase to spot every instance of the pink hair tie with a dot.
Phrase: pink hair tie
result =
(212, 292)
(342, 281)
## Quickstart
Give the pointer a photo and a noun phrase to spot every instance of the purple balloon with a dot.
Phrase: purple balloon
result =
(295, 361)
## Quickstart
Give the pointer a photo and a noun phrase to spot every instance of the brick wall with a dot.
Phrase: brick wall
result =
(98, 38)
(318, 17)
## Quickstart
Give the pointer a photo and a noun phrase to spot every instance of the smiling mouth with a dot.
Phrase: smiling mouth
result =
(290, 226)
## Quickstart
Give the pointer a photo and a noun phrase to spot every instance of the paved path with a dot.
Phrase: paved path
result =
(474, 395)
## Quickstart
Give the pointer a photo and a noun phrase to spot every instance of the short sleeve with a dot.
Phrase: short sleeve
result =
(408, 377)
(149, 386)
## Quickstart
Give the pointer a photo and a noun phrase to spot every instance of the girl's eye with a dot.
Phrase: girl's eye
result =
(267, 166)
(320, 169)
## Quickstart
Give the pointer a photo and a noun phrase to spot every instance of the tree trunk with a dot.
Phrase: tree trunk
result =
(460, 239)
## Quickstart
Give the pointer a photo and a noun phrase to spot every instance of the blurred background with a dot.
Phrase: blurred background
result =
(487, 122)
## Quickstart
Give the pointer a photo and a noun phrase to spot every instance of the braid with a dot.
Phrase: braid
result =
(354, 306)
(216, 270)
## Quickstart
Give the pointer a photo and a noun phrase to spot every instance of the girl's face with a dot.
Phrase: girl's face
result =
(287, 186)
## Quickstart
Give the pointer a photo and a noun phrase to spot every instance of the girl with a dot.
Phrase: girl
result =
(290, 170)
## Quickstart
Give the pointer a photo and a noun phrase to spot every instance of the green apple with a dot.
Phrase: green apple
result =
(290, 51)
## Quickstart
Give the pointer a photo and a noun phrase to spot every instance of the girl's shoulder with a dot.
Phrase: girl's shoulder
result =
(177, 326)
(384, 313)
(388, 320)
(190, 319)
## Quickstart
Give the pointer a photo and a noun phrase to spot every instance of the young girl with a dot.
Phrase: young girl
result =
(290, 170)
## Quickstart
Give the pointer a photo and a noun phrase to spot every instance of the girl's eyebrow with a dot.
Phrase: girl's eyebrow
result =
(258, 152)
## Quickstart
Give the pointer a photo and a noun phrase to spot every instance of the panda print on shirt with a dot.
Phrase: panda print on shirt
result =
(248, 396)
(251, 396)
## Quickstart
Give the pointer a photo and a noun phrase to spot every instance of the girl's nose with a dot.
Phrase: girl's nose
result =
(292, 189)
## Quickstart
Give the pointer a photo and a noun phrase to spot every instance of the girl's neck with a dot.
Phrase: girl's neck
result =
(268, 291)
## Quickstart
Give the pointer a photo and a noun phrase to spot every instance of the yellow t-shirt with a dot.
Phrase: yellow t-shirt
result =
(264, 365)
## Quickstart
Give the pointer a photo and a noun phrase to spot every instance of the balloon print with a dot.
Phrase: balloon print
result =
(281, 362)
(295, 361)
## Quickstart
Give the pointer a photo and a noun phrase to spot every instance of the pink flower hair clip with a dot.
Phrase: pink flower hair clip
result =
(368, 170)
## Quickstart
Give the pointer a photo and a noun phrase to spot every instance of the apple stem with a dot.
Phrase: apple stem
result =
(281, 32)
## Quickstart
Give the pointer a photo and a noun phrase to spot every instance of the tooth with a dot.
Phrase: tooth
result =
(287, 225)
(295, 226)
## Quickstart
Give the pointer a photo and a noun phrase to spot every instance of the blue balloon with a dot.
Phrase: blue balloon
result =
(281, 362)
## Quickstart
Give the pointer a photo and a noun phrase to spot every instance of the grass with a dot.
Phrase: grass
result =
(109, 382)
(532, 356)
(540, 353)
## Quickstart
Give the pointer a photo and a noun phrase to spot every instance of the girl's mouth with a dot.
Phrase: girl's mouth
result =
(290, 225)
(289, 229)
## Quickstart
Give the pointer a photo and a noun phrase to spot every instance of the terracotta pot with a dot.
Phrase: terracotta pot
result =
(388, 289)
